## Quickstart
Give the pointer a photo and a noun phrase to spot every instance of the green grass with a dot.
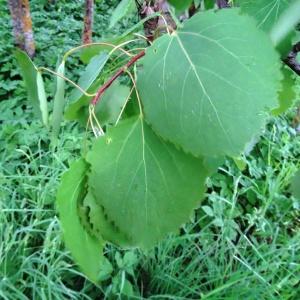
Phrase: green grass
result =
(243, 242)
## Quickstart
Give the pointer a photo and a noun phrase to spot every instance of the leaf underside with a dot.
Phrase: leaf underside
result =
(86, 250)
(208, 86)
(145, 187)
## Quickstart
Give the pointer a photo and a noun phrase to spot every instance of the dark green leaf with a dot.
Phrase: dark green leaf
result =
(181, 4)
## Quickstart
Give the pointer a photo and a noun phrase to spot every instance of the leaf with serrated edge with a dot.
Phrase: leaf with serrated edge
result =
(101, 225)
(146, 186)
(206, 87)
(287, 94)
(86, 250)
(89, 75)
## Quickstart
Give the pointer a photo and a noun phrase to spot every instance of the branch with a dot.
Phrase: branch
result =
(108, 83)
(291, 59)
(223, 4)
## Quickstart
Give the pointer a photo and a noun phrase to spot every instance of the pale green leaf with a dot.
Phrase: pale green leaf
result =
(59, 100)
(124, 8)
(287, 94)
(42, 98)
(89, 75)
(295, 186)
(86, 250)
(286, 22)
(29, 74)
(107, 109)
(266, 12)
(146, 186)
(207, 88)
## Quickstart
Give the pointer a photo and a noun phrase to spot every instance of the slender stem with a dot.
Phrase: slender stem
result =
(40, 69)
(223, 4)
(71, 51)
(108, 83)
(291, 59)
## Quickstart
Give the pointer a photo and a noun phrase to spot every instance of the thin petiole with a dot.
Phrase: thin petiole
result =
(40, 69)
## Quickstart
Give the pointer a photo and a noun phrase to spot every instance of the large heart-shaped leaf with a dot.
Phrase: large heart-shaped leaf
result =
(146, 187)
(86, 250)
(208, 86)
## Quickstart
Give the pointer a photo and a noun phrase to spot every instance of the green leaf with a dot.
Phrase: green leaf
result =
(209, 4)
(42, 98)
(286, 23)
(89, 52)
(295, 186)
(207, 87)
(266, 12)
(287, 94)
(124, 8)
(59, 100)
(86, 250)
(180, 4)
(146, 186)
(99, 224)
(107, 109)
(30, 76)
(89, 75)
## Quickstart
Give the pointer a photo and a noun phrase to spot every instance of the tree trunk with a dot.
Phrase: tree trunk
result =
(22, 25)
(88, 22)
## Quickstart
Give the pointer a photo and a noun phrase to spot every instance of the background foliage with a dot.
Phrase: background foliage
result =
(242, 243)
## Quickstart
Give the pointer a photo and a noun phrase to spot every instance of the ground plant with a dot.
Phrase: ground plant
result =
(164, 155)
